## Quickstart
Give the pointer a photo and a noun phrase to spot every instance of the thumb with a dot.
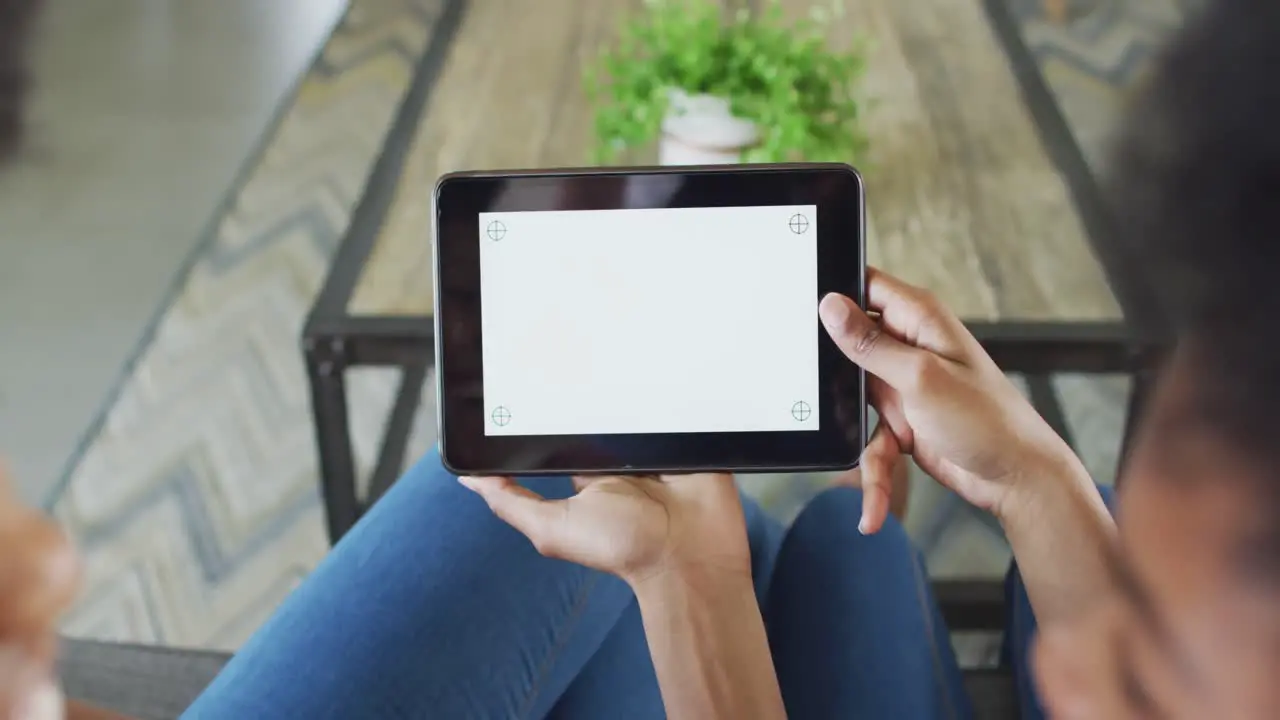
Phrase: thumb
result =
(535, 517)
(863, 341)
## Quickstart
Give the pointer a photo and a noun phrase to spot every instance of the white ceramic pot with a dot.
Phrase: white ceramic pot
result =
(702, 130)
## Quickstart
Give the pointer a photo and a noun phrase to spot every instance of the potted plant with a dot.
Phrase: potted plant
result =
(712, 88)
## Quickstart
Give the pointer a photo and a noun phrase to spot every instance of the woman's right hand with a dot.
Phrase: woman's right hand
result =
(941, 399)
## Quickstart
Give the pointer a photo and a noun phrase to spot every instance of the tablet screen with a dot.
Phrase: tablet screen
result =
(655, 320)
(646, 319)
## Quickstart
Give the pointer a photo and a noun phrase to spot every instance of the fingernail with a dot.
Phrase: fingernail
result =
(44, 703)
(467, 482)
(862, 525)
(834, 311)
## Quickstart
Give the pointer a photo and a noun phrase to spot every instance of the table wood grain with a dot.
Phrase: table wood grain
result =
(961, 196)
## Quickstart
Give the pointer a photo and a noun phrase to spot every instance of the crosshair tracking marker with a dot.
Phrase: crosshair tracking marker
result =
(801, 411)
(798, 224)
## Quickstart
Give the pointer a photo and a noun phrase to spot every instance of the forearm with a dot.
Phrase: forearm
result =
(709, 648)
(1061, 535)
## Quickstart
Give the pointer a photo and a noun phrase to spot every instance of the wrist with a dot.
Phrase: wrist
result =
(691, 579)
(707, 639)
(1061, 534)
(1052, 474)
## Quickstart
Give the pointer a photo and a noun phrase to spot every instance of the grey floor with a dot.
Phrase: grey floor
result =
(144, 113)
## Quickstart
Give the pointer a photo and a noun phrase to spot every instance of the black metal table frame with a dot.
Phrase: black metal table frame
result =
(336, 341)
(1035, 350)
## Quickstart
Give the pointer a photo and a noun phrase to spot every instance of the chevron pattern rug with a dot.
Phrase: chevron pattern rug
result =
(195, 503)
(1094, 59)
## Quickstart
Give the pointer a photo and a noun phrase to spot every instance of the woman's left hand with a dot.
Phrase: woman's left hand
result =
(635, 528)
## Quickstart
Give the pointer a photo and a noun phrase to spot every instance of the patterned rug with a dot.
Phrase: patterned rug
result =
(195, 502)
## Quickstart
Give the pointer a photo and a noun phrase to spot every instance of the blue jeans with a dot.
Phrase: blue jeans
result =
(432, 608)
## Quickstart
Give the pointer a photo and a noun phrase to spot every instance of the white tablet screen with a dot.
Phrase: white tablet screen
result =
(684, 320)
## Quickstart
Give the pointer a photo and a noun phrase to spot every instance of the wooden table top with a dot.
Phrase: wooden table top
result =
(961, 196)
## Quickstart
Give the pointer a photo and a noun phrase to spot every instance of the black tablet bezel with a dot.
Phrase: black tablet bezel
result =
(459, 198)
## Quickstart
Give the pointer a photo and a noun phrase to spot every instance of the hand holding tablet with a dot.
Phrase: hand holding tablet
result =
(647, 320)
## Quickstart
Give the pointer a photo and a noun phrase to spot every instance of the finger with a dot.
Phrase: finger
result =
(20, 679)
(885, 292)
(704, 478)
(888, 405)
(877, 464)
(698, 487)
(849, 478)
(40, 564)
(913, 314)
(45, 702)
(865, 343)
(40, 649)
(582, 482)
(534, 516)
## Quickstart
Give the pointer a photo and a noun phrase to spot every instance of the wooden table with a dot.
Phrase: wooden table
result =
(975, 189)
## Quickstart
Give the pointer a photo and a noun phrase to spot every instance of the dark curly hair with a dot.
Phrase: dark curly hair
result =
(17, 20)
(1196, 180)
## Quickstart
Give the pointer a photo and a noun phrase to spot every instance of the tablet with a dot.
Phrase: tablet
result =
(646, 320)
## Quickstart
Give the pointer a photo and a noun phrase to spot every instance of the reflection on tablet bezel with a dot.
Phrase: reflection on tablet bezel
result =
(459, 198)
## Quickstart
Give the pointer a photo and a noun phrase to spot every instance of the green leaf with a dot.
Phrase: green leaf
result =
(779, 74)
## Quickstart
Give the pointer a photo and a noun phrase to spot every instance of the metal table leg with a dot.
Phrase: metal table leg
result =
(333, 436)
